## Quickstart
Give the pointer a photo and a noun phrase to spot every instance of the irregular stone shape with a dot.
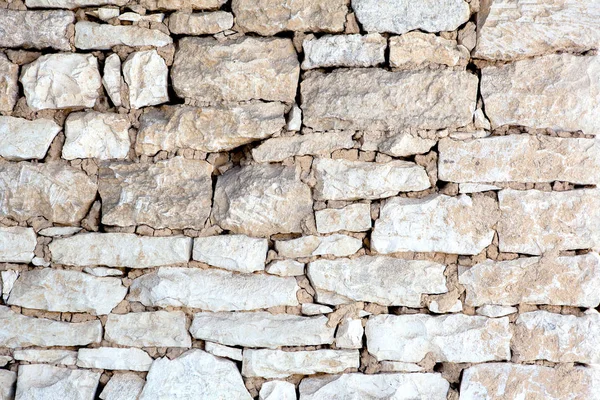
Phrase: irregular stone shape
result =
(61, 81)
(247, 68)
(112, 80)
(208, 129)
(37, 29)
(397, 366)
(349, 334)
(344, 51)
(267, 17)
(401, 16)
(318, 143)
(286, 268)
(401, 144)
(63, 357)
(306, 246)
(194, 375)
(146, 75)
(375, 99)
(447, 338)
(146, 329)
(17, 244)
(562, 95)
(519, 158)
(223, 351)
(22, 139)
(71, 4)
(477, 188)
(17, 330)
(415, 50)
(508, 30)
(352, 218)
(185, 23)
(533, 222)
(341, 179)
(154, 5)
(233, 252)
(114, 358)
(9, 88)
(39, 381)
(66, 291)
(7, 384)
(126, 386)
(493, 311)
(570, 281)
(277, 390)
(103, 271)
(8, 281)
(376, 387)
(174, 193)
(262, 200)
(437, 223)
(120, 250)
(213, 290)
(90, 35)
(280, 364)
(294, 119)
(96, 135)
(261, 329)
(59, 231)
(315, 309)
(55, 191)
(384, 280)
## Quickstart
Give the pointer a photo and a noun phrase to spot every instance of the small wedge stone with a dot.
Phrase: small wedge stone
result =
(9, 88)
(112, 80)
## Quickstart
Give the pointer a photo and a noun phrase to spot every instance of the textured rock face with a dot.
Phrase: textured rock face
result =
(112, 80)
(509, 30)
(182, 4)
(37, 29)
(89, 35)
(451, 338)
(344, 51)
(267, 17)
(383, 280)
(71, 4)
(184, 23)
(9, 89)
(519, 158)
(223, 351)
(146, 75)
(261, 329)
(7, 384)
(213, 290)
(352, 218)
(194, 375)
(337, 245)
(127, 386)
(354, 180)
(62, 357)
(285, 268)
(376, 387)
(17, 244)
(415, 50)
(120, 250)
(233, 252)
(96, 135)
(349, 334)
(38, 381)
(145, 329)
(174, 193)
(320, 143)
(534, 222)
(400, 16)
(456, 225)
(261, 200)
(244, 69)
(208, 129)
(22, 139)
(277, 390)
(17, 330)
(565, 97)
(280, 364)
(61, 81)
(375, 99)
(401, 144)
(114, 358)
(571, 281)
(66, 291)
(55, 191)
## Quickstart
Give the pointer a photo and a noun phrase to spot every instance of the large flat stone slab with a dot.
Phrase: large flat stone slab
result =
(319, 143)
(22, 139)
(72, 4)
(39, 381)
(113, 358)
(90, 35)
(37, 29)
(337, 245)
(239, 253)
(17, 244)
(148, 329)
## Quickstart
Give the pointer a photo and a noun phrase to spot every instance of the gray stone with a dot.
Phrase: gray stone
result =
(344, 51)
(98, 135)
(318, 143)
(90, 35)
(148, 329)
(22, 139)
(232, 252)
(9, 88)
(185, 23)
(146, 76)
(17, 244)
(36, 29)
(39, 381)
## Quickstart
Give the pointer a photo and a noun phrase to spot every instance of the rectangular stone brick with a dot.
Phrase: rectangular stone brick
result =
(38, 29)
(344, 51)
(352, 218)
(319, 143)
(148, 329)
(17, 244)
(90, 35)
(71, 4)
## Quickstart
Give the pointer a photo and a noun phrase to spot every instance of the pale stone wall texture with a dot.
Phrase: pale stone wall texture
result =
(299, 199)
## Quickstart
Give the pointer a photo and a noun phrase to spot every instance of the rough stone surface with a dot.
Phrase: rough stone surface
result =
(38, 381)
(71, 4)
(450, 338)
(182, 4)
(415, 50)
(146, 329)
(261, 200)
(352, 218)
(174, 193)
(344, 51)
(184, 23)
(383, 280)
(61, 357)
(401, 144)
(112, 80)
(17, 244)
(126, 386)
(120, 250)
(494, 311)
(285, 268)
(7, 384)
(59, 231)
(223, 351)
(337, 245)
(90, 35)
(533, 222)
(375, 99)
(92, 134)
(349, 334)
(277, 390)
(213, 290)
(114, 358)
(22, 139)
(232, 252)
(146, 75)
(318, 143)
(36, 29)
(9, 88)
(457, 225)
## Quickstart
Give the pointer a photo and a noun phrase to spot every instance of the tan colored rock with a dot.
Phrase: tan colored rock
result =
(319, 143)
(243, 69)
(22, 139)
(437, 223)
(61, 357)
(52, 190)
(9, 88)
(337, 245)
(112, 80)
(570, 281)
(354, 180)
(146, 76)
(402, 144)
(174, 193)
(185, 23)
(267, 17)
(261, 200)
(37, 29)
(533, 222)
(344, 51)
(39, 381)
(154, 5)
(232, 252)
(415, 50)
(72, 4)
(562, 95)
(208, 129)
(98, 135)
(17, 244)
(90, 35)
(352, 218)
(148, 329)
(376, 99)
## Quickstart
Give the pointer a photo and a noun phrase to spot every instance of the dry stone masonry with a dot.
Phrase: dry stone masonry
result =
(299, 200)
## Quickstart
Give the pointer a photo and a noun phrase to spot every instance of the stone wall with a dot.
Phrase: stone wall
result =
(313, 199)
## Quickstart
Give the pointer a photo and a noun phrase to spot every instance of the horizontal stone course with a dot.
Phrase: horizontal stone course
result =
(37, 29)
(147, 329)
